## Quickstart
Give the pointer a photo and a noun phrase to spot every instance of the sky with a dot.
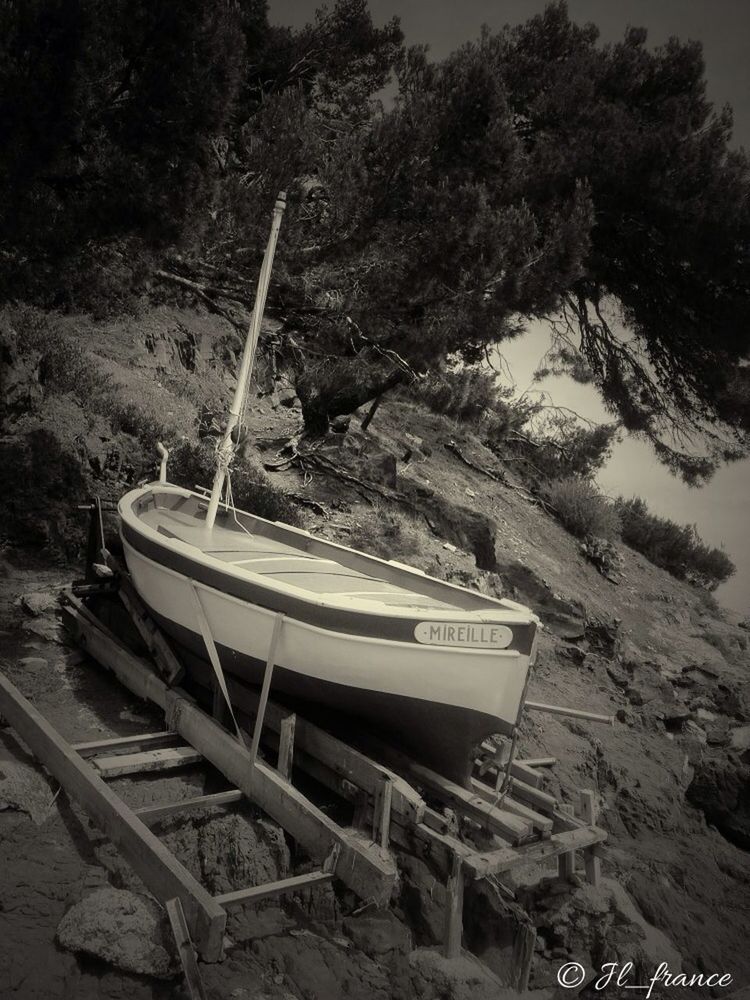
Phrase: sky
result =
(720, 509)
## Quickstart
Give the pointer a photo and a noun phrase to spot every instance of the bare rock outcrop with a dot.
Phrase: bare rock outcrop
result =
(123, 928)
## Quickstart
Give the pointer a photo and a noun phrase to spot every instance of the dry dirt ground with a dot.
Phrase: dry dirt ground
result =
(671, 775)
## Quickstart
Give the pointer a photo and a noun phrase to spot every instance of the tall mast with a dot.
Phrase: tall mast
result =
(226, 448)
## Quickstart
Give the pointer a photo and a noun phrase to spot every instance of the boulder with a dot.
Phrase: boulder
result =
(739, 738)
(123, 928)
(721, 790)
(378, 933)
(37, 603)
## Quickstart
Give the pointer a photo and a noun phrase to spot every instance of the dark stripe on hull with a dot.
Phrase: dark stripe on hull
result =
(336, 619)
(441, 736)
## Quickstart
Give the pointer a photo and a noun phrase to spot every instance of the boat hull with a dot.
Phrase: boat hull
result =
(436, 703)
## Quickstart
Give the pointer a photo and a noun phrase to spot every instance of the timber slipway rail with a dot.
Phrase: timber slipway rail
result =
(399, 805)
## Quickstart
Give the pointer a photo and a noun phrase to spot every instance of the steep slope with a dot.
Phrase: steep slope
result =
(672, 774)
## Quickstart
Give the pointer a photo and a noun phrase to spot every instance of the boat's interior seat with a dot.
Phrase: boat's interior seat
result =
(283, 563)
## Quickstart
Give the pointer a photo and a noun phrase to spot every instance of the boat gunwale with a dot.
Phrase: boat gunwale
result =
(496, 611)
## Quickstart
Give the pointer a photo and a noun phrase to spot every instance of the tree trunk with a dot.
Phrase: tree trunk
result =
(319, 407)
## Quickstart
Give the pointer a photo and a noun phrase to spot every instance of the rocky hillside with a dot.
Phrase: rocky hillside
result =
(84, 402)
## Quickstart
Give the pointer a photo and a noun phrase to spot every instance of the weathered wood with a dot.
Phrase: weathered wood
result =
(168, 664)
(566, 862)
(588, 809)
(363, 866)
(152, 814)
(218, 680)
(185, 949)
(539, 761)
(454, 910)
(265, 690)
(381, 815)
(147, 741)
(163, 759)
(541, 823)
(323, 748)
(573, 713)
(482, 864)
(163, 874)
(534, 797)
(507, 825)
(523, 954)
(286, 746)
(254, 893)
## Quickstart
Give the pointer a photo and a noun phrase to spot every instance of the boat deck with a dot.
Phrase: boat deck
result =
(283, 563)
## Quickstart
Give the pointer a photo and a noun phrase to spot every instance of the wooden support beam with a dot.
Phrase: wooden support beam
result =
(492, 817)
(363, 866)
(573, 713)
(454, 910)
(147, 741)
(254, 893)
(566, 862)
(381, 814)
(286, 746)
(523, 954)
(152, 814)
(539, 761)
(260, 718)
(533, 797)
(167, 663)
(588, 811)
(162, 873)
(541, 823)
(481, 864)
(185, 950)
(163, 759)
(321, 747)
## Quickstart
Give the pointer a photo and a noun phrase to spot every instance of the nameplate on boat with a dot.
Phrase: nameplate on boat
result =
(475, 636)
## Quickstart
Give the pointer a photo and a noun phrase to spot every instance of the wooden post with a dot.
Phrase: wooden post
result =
(365, 868)
(591, 862)
(566, 863)
(286, 746)
(381, 814)
(270, 662)
(523, 954)
(213, 655)
(185, 950)
(162, 873)
(454, 909)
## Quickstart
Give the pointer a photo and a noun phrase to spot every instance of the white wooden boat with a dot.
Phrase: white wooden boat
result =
(435, 667)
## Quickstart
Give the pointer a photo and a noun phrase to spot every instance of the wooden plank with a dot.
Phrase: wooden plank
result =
(533, 797)
(218, 679)
(169, 666)
(147, 741)
(494, 862)
(542, 823)
(342, 759)
(588, 809)
(518, 769)
(254, 893)
(381, 814)
(286, 746)
(523, 954)
(507, 825)
(362, 865)
(539, 761)
(267, 675)
(185, 950)
(152, 814)
(454, 910)
(573, 713)
(164, 759)
(162, 873)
